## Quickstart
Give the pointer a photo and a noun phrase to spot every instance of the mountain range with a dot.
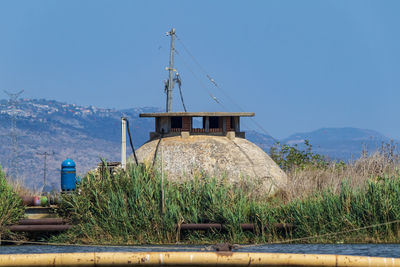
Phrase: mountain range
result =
(340, 143)
(87, 133)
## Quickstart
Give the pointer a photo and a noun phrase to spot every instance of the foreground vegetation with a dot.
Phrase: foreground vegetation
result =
(11, 207)
(326, 201)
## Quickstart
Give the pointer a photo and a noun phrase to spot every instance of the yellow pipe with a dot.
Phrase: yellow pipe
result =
(191, 259)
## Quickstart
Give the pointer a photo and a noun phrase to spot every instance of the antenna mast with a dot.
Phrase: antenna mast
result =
(45, 154)
(171, 70)
(12, 105)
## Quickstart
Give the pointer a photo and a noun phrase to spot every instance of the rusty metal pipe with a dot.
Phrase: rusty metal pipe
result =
(201, 226)
(45, 221)
(39, 228)
(27, 200)
(247, 226)
(30, 200)
(218, 226)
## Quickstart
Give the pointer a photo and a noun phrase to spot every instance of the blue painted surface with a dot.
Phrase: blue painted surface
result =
(68, 175)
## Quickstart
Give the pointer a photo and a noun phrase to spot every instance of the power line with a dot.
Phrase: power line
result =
(205, 87)
(202, 85)
(212, 80)
(13, 160)
(179, 82)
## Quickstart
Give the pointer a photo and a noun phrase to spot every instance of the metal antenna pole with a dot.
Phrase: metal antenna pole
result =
(171, 70)
(45, 154)
(12, 105)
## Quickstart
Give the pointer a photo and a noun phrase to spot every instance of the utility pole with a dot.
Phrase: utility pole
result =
(123, 143)
(12, 105)
(45, 154)
(171, 70)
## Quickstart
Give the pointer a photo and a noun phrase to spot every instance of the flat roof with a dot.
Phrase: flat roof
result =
(197, 114)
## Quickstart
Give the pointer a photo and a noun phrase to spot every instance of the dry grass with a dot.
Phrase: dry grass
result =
(20, 188)
(309, 180)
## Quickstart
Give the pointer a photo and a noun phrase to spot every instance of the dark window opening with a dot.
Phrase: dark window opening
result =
(214, 122)
(233, 123)
(176, 122)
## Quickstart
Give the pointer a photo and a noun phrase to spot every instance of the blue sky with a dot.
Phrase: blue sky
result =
(299, 65)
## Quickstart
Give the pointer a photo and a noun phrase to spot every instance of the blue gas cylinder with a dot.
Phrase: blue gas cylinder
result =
(68, 174)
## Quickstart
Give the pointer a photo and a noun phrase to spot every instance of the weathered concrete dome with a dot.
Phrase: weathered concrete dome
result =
(215, 155)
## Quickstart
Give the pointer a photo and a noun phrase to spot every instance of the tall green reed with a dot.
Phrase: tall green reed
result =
(11, 207)
(349, 211)
(126, 208)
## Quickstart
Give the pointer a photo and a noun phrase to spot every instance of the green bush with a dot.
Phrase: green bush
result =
(11, 206)
(290, 157)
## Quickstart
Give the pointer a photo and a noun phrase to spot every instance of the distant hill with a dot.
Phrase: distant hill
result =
(82, 133)
(340, 143)
(89, 133)
(264, 141)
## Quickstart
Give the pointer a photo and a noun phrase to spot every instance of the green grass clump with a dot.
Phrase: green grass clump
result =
(326, 213)
(127, 208)
(11, 206)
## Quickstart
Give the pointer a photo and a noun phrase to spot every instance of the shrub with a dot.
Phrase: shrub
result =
(11, 206)
(290, 157)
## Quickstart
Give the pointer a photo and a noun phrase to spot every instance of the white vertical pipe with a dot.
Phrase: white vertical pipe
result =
(123, 143)
(162, 181)
(207, 124)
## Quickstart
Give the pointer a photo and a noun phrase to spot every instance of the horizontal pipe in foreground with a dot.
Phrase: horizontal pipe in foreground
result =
(55, 225)
(200, 226)
(45, 221)
(39, 228)
(191, 259)
(27, 200)
(218, 226)
(30, 200)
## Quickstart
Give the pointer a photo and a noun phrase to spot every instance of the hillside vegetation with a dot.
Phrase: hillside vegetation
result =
(86, 133)
(70, 131)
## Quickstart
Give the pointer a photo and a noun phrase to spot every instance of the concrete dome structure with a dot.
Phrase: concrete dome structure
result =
(217, 156)
(211, 143)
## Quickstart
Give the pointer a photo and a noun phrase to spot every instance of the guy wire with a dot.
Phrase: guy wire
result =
(218, 87)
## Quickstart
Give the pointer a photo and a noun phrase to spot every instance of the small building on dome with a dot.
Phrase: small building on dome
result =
(197, 123)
